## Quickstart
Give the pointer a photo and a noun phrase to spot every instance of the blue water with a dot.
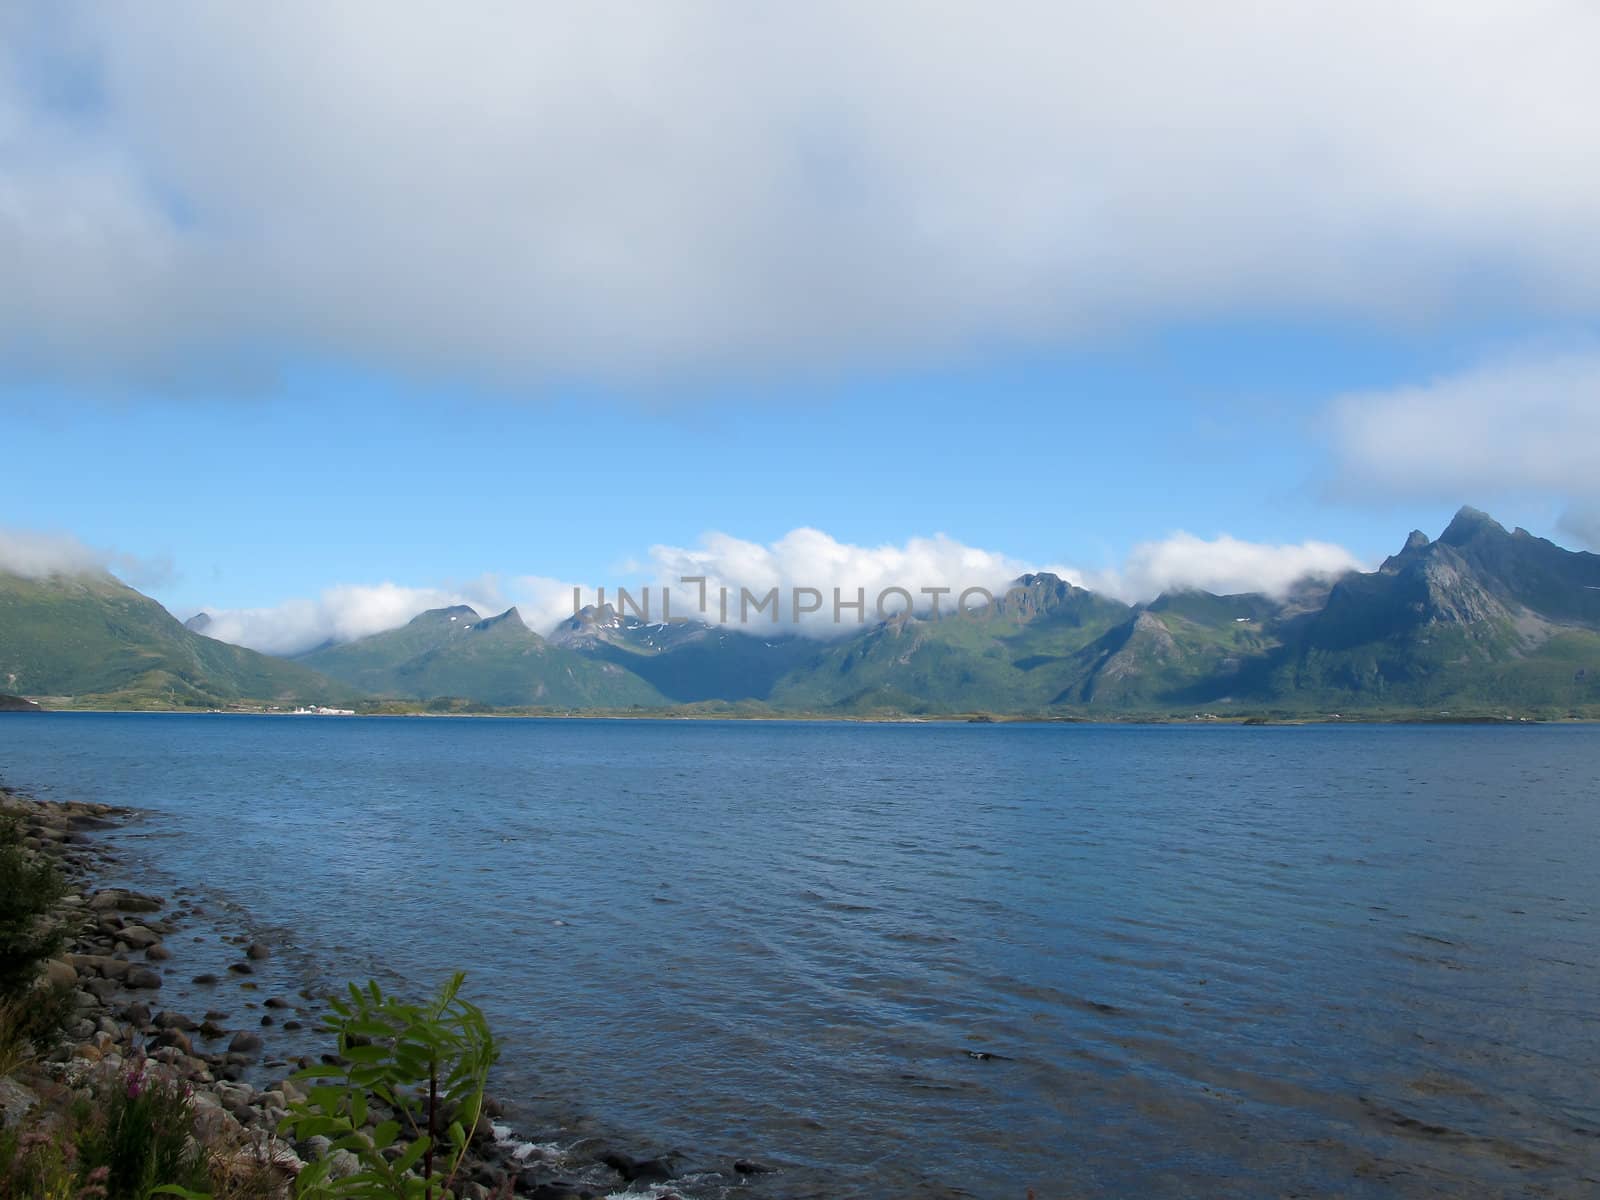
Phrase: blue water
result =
(1319, 961)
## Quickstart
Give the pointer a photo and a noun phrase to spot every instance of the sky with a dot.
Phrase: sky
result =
(315, 316)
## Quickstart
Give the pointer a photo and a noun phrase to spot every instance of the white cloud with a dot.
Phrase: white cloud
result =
(1530, 422)
(349, 611)
(534, 191)
(802, 558)
(809, 558)
(35, 555)
(1225, 565)
(340, 614)
(1526, 424)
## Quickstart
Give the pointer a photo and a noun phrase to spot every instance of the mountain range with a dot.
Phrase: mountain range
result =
(1479, 620)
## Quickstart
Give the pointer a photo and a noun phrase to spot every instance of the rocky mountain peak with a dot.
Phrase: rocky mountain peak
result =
(1470, 523)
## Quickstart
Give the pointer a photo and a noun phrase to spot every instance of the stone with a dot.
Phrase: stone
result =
(245, 1043)
(136, 1014)
(157, 953)
(104, 965)
(171, 1020)
(176, 1039)
(139, 937)
(242, 968)
(256, 951)
(275, 1002)
(60, 974)
(748, 1166)
(143, 977)
(342, 1164)
(205, 980)
(16, 1102)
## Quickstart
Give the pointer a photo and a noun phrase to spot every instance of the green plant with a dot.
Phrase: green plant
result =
(416, 1073)
(30, 889)
(30, 1024)
(137, 1130)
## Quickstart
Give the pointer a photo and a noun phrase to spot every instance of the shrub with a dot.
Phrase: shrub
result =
(425, 1065)
(30, 889)
(30, 1024)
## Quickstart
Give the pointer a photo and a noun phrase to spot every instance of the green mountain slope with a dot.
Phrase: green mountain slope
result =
(688, 662)
(96, 639)
(497, 661)
(1480, 620)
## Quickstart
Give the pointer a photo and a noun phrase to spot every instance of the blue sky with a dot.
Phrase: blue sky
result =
(383, 318)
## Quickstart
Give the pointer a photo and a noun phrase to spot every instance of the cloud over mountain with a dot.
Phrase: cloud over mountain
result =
(803, 558)
(35, 554)
(1523, 424)
(532, 191)
(1224, 564)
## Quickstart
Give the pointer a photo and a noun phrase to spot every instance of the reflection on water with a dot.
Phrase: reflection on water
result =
(931, 960)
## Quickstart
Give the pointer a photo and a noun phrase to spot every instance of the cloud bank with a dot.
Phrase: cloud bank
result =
(809, 558)
(538, 191)
(1525, 424)
(37, 555)
(349, 611)
(802, 558)
(1224, 565)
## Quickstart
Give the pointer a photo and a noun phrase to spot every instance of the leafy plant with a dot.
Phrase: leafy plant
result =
(30, 889)
(416, 1073)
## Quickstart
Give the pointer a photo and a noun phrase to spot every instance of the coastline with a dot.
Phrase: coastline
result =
(1248, 719)
(126, 956)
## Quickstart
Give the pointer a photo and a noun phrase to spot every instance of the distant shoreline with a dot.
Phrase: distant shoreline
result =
(1248, 720)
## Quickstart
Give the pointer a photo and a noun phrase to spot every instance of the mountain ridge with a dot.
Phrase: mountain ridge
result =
(1480, 617)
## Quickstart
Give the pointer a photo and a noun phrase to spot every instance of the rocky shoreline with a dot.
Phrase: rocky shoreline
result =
(123, 945)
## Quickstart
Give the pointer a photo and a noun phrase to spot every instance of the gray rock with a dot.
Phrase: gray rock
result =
(139, 937)
(116, 898)
(174, 1038)
(15, 1102)
(245, 1043)
(136, 1014)
(143, 977)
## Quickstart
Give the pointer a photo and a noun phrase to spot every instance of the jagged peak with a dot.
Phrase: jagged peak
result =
(1416, 540)
(1468, 523)
(510, 617)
